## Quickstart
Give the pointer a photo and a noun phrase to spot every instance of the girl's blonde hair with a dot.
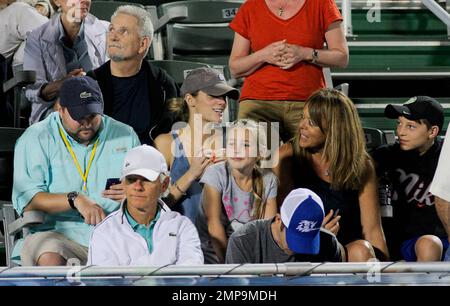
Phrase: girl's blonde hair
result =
(259, 208)
(344, 148)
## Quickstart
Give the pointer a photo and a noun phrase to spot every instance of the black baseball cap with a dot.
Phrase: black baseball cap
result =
(210, 81)
(82, 97)
(419, 107)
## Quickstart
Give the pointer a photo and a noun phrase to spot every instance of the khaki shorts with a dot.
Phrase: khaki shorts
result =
(51, 242)
(287, 113)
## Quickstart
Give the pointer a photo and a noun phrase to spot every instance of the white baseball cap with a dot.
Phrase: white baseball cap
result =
(145, 161)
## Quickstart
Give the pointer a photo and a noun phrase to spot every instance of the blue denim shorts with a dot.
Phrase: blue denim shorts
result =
(408, 248)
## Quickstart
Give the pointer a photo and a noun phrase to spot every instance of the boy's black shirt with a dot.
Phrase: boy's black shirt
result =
(411, 174)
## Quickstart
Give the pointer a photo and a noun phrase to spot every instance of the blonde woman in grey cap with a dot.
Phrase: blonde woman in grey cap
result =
(188, 149)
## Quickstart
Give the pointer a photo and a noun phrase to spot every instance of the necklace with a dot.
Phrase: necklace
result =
(281, 8)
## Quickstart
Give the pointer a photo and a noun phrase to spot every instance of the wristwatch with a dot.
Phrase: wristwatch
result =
(71, 196)
(315, 56)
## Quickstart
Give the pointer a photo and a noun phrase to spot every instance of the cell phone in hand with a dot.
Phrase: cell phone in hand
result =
(336, 213)
(111, 181)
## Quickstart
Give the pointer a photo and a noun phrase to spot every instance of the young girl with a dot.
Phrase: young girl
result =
(235, 191)
(204, 98)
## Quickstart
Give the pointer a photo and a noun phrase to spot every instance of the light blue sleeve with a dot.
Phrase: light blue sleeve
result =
(107, 204)
(135, 139)
(31, 168)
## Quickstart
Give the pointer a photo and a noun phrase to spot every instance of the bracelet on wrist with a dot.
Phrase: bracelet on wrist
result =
(179, 189)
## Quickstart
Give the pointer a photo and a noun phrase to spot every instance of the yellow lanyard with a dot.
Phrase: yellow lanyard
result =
(69, 148)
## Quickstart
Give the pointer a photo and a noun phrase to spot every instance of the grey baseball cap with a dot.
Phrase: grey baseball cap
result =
(210, 81)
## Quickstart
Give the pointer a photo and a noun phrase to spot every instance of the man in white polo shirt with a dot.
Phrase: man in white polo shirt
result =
(144, 231)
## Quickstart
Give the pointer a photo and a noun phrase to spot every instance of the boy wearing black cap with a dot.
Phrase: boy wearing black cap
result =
(410, 163)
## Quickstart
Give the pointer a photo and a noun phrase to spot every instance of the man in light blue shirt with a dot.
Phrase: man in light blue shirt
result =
(61, 166)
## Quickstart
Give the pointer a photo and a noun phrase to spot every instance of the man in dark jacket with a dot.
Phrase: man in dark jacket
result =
(134, 91)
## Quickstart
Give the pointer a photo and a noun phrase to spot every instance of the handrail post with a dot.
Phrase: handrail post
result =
(447, 8)
(439, 12)
(347, 16)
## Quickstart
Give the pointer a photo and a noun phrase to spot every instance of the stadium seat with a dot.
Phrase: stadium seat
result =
(15, 227)
(103, 10)
(8, 137)
(17, 83)
(171, 15)
(6, 116)
(374, 138)
(178, 69)
(204, 35)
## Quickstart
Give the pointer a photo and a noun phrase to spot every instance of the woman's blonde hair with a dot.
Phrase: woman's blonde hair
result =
(178, 107)
(259, 207)
(344, 148)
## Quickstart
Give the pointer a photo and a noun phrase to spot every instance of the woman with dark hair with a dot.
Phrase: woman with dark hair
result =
(329, 157)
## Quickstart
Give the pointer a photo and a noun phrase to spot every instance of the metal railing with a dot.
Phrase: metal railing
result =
(284, 269)
(439, 12)
(432, 5)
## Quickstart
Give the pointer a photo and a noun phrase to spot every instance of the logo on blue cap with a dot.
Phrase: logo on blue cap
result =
(85, 95)
(302, 213)
(306, 226)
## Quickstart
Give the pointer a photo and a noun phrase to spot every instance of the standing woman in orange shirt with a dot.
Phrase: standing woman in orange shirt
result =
(279, 49)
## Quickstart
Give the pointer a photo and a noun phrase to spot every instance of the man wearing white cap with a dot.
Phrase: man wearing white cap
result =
(144, 231)
(294, 235)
